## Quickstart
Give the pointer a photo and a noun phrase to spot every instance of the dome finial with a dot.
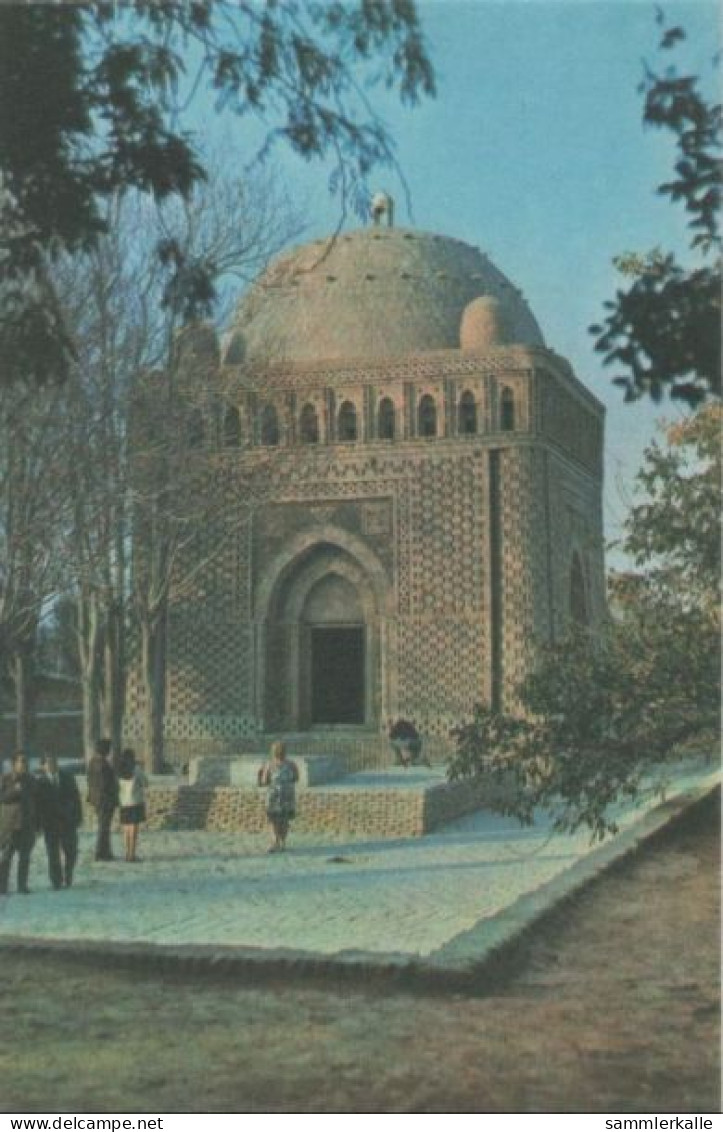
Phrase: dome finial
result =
(382, 205)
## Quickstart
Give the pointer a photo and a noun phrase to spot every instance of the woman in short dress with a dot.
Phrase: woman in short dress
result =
(132, 784)
(280, 775)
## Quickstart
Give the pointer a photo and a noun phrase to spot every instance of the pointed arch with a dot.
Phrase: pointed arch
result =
(386, 419)
(302, 546)
(324, 591)
(269, 430)
(467, 414)
(427, 416)
(309, 425)
(507, 410)
(347, 422)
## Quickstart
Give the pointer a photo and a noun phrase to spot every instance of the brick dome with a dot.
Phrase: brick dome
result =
(484, 325)
(377, 292)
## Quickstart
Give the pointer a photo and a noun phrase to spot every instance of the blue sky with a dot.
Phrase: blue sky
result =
(534, 151)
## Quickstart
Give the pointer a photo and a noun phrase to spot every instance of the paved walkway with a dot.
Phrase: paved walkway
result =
(408, 898)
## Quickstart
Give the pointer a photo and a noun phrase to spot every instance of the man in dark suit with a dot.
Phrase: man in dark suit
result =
(59, 813)
(103, 796)
(18, 822)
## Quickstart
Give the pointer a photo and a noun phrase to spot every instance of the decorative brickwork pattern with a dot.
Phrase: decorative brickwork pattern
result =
(385, 374)
(441, 637)
(576, 525)
(441, 670)
(190, 735)
(525, 612)
(376, 813)
(453, 550)
(373, 813)
(307, 506)
(447, 515)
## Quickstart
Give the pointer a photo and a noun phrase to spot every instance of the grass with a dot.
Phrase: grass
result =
(611, 1006)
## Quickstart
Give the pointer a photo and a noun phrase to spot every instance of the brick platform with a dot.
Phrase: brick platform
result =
(382, 804)
(440, 905)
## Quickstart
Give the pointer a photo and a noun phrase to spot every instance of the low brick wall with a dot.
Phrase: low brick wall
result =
(375, 813)
(452, 800)
(226, 809)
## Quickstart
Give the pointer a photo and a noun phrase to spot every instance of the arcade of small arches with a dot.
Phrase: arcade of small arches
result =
(388, 422)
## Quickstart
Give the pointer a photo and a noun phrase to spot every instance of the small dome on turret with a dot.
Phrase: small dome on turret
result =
(484, 325)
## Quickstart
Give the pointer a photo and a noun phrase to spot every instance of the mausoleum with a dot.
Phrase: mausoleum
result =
(409, 491)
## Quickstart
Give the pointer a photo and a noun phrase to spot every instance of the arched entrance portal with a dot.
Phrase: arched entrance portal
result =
(322, 656)
(333, 650)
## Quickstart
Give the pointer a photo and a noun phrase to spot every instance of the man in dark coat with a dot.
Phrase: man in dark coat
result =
(103, 796)
(18, 822)
(59, 813)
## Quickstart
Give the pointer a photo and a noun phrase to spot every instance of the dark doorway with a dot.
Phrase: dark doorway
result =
(337, 675)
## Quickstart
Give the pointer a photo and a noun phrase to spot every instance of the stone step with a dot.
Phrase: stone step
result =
(243, 770)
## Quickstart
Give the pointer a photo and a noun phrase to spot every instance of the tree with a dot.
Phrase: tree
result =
(675, 532)
(606, 712)
(124, 325)
(176, 493)
(90, 95)
(664, 330)
(32, 507)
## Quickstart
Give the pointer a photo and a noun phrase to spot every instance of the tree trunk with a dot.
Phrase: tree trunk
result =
(89, 632)
(91, 711)
(115, 674)
(23, 671)
(153, 653)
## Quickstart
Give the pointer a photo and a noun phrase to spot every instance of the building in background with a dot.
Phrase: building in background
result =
(407, 492)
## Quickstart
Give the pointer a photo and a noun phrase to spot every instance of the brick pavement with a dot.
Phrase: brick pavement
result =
(421, 898)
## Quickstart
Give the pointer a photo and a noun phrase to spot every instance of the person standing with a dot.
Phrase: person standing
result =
(280, 775)
(132, 784)
(18, 822)
(60, 813)
(103, 796)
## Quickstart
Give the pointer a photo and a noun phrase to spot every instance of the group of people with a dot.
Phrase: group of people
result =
(106, 791)
(110, 788)
(48, 802)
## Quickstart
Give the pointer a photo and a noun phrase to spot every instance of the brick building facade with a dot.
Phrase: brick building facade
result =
(411, 499)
